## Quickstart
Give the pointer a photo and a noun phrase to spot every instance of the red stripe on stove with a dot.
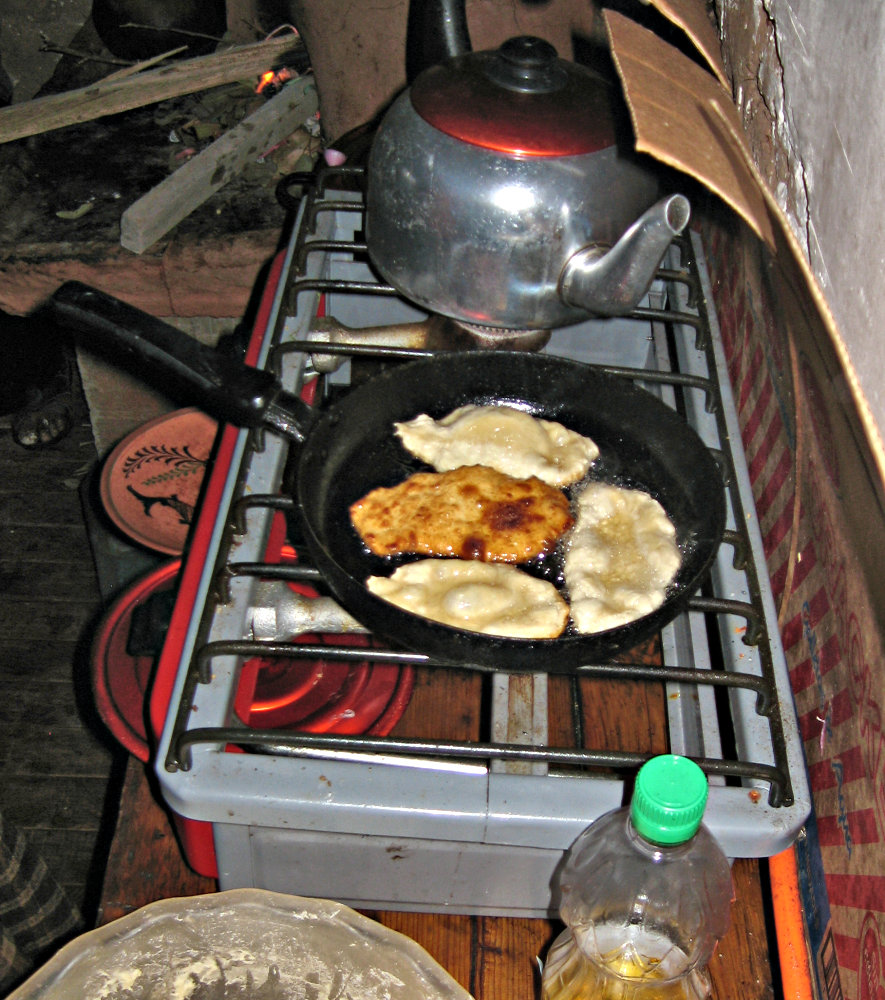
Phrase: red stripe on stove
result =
(860, 826)
(817, 607)
(803, 675)
(754, 421)
(864, 892)
(775, 481)
(823, 773)
(779, 529)
(839, 709)
(750, 376)
(767, 446)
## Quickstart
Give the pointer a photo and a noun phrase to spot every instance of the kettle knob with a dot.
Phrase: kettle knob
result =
(527, 65)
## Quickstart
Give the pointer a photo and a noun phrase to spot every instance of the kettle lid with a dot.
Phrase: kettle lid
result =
(520, 99)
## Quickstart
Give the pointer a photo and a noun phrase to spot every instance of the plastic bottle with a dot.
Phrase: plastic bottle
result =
(646, 894)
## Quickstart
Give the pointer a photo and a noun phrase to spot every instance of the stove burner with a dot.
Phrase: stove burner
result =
(502, 339)
(435, 333)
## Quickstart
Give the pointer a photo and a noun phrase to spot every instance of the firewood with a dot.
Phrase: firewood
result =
(154, 214)
(110, 97)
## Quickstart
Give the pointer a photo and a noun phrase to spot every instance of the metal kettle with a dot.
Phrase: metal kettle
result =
(498, 192)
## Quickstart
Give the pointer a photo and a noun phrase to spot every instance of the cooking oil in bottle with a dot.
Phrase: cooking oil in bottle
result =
(646, 894)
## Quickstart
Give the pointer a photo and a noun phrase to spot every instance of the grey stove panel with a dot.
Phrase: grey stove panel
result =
(398, 828)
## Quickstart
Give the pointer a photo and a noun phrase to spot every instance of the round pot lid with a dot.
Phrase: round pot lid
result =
(519, 99)
(317, 696)
(120, 678)
(150, 483)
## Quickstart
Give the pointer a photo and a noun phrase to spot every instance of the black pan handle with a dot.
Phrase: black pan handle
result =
(182, 367)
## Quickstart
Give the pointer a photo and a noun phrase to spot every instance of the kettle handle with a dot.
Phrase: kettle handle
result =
(436, 31)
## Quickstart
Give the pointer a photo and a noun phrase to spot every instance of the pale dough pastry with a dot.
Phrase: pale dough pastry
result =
(502, 438)
(493, 598)
(620, 557)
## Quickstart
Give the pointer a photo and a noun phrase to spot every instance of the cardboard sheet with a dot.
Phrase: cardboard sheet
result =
(692, 18)
(685, 117)
(674, 108)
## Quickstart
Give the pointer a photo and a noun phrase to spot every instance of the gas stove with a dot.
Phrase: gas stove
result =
(460, 788)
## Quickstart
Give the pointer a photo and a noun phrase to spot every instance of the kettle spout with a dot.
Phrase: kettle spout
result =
(612, 282)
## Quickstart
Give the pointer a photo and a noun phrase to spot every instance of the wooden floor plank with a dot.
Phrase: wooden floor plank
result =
(51, 660)
(71, 582)
(740, 964)
(80, 874)
(507, 956)
(442, 937)
(59, 619)
(144, 863)
(59, 752)
(50, 705)
(57, 761)
(35, 802)
(53, 510)
(63, 543)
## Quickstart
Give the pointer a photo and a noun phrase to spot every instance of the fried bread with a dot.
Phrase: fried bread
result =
(502, 438)
(472, 512)
(492, 598)
(620, 557)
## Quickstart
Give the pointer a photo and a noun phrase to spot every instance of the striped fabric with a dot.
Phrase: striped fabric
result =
(36, 917)
(828, 626)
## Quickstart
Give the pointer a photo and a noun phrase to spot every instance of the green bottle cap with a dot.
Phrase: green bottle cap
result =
(669, 799)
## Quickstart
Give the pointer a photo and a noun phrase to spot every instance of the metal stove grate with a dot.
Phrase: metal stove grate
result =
(721, 665)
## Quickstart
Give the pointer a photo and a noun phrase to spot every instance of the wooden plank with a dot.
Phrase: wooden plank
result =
(444, 704)
(71, 857)
(61, 752)
(144, 863)
(20, 662)
(103, 98)
(153, 215)
(741, 964)
(39, 802)
(57, 619)
(65, 581)
(54, 509)
(46, 543)
(507, 953)
(446, 937)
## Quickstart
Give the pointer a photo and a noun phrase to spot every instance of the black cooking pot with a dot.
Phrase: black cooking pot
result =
(350, 448)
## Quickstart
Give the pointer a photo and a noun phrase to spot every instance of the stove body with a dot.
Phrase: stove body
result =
(432, 822)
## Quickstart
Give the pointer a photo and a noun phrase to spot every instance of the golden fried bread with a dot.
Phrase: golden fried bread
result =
(503, 438)
(493, 598)
(620, 558)
(472, 512)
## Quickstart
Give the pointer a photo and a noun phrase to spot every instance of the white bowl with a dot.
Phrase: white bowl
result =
(242, 944)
